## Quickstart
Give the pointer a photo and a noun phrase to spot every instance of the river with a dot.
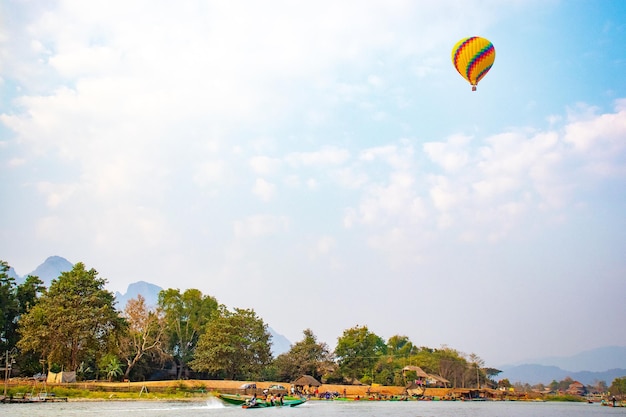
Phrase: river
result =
(214, 407)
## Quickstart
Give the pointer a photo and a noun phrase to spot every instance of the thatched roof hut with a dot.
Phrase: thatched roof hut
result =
(305, 380)
(437, 380)
(419, 372)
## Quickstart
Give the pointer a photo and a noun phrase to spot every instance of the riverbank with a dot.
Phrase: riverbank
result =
(190, 388)
(199, 390)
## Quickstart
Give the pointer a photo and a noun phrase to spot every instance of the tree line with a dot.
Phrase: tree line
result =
(74, 326)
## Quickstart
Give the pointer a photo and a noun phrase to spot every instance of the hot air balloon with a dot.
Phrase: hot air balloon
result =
(473, 58)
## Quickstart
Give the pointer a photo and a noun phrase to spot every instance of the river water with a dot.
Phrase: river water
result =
(214, 407)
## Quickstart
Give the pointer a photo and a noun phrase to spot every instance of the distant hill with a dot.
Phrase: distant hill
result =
(600, 359)
(148, 291)
(12, 274)
(50, 269)
(542, 374)
(601, 364)
(280, 344)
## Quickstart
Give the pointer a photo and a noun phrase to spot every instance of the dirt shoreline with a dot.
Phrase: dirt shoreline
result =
(199, 387)
(199, 390)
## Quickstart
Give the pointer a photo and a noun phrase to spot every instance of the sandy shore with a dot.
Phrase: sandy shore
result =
(233, 387)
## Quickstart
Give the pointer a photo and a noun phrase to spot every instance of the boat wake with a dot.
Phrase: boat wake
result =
(214, 403)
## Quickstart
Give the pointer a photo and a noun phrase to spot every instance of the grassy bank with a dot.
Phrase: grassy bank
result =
(174, 390)
(566, 398)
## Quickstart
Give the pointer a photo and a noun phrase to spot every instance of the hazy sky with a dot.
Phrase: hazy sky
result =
(323, 163)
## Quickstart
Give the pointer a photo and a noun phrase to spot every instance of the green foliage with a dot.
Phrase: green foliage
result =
(306, 357)
(618, 387)
(450, 364)
(15, 300)
(112, 367)
(400, 346)
(71, 321)
(185, 316)
(564, 384)
(387, 371)
(8, 308)
(565, 398)
(491, 372)
(234, 344)
(504, 383)
(357, 352)
(84, 371)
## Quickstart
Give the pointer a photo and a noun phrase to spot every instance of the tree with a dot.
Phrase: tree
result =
(16, 300)
(144, 333)
(504, 383)
(554, 385)
(8, 309)
(357, 352)
(72, 320)
(185, 317)
(306, 357)
(27, 295)
(474, 371)
(400, 346)
(565, 383)
(235, 345)
(618, 387)
(490, 374)
(111, 366)
(600, 386)
(452, 365)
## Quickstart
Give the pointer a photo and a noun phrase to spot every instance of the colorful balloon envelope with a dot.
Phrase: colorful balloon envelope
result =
(473, 58)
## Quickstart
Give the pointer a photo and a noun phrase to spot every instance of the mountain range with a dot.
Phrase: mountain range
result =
(542, 374)
(588, 367)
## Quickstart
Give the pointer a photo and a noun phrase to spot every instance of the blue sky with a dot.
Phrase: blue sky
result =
(324, 164)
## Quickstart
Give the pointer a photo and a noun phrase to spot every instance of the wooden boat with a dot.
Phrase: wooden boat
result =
(234, 399)
(266, 404)
(41, 398)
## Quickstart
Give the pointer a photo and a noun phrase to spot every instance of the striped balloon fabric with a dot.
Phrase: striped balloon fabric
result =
(473, 58)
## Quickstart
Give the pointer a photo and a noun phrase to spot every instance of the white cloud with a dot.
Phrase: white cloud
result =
(351, 178)
(15, 162)
(446, 194)
(312, 183)
(599, 141)
(56, 194)
(323, 246)
(491, 187)
(264, 165)
(397, 157)
(450, 155)
(260, 225)
(326, 156)
(210, 172)
(263, 189)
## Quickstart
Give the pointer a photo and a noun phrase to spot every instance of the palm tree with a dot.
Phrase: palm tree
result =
(113, 369)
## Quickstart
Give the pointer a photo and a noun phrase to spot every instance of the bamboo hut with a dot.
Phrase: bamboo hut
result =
(305, 384)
